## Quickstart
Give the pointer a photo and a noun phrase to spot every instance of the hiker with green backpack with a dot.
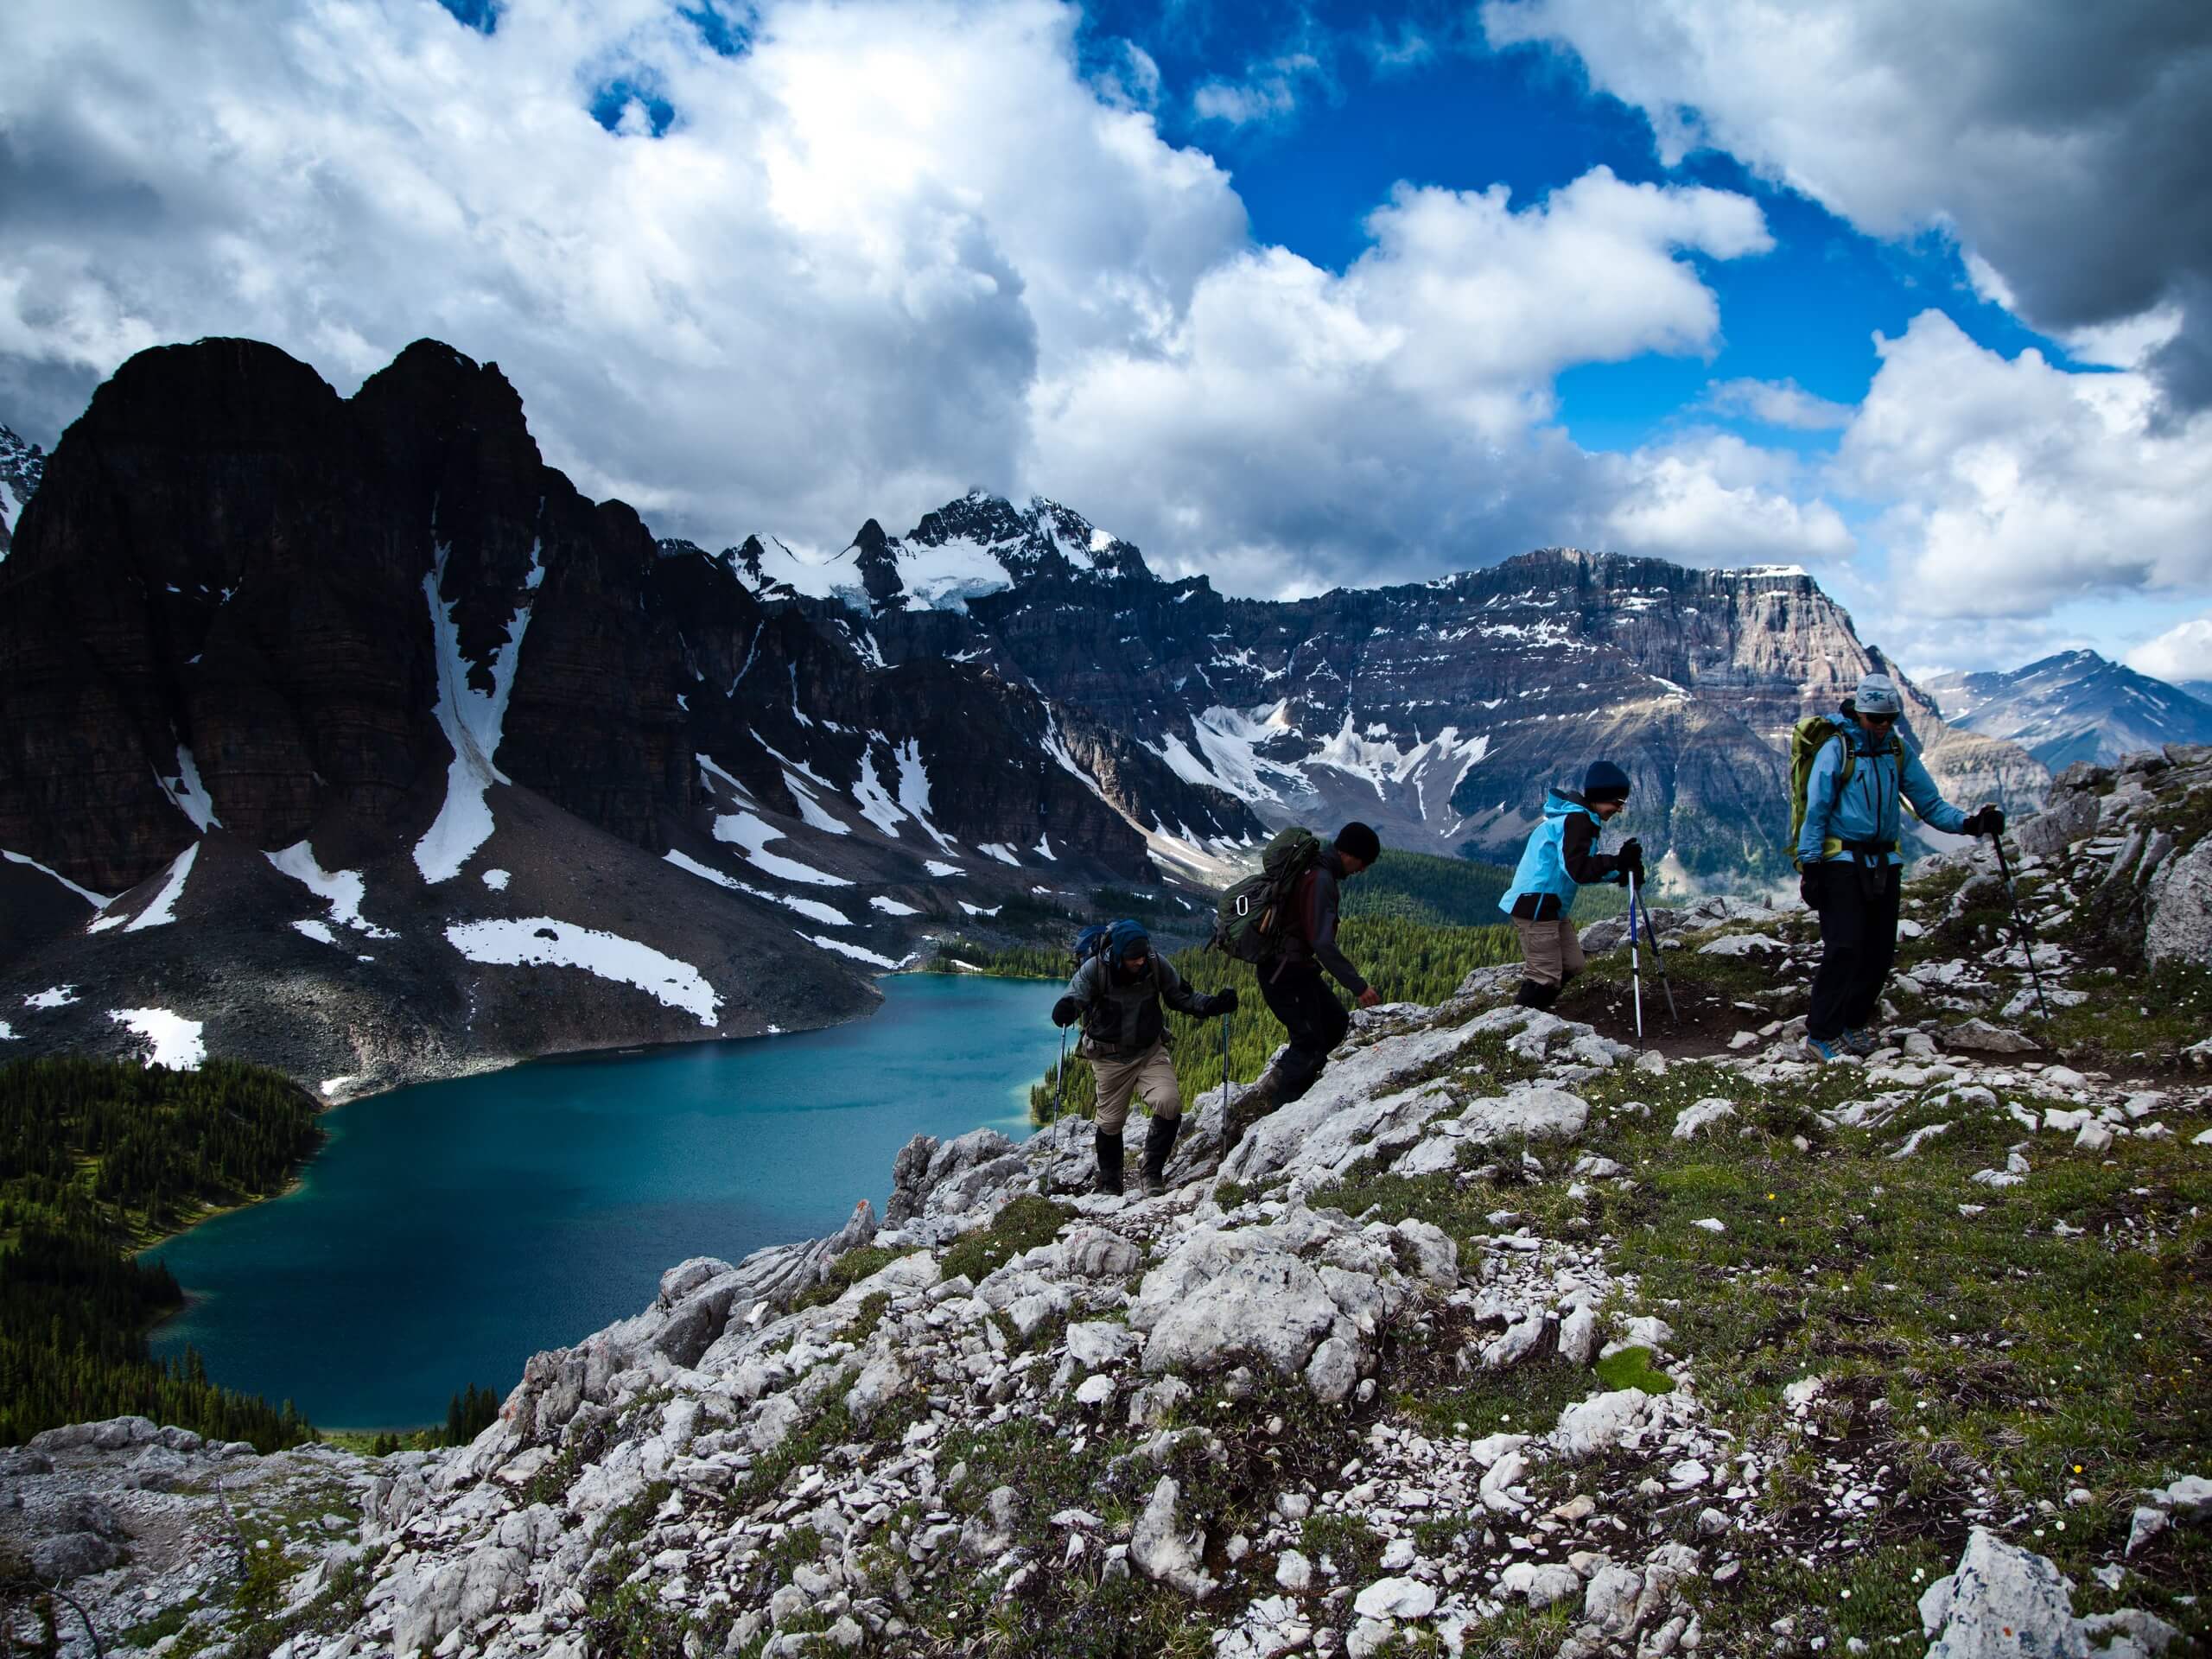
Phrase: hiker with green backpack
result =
(1284, 922)
(1117, 993)
(1846, 778)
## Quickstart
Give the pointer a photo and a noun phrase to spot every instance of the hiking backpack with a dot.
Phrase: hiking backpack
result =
(1097, 939)
(1806, 739)
(1251, 921)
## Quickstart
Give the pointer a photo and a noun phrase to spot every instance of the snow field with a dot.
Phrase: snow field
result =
(162, 910)
(86, 894)
(813, 908)
(342, 890)
(172, 1040)
(751, 836)
(471, 721)
(540, 941)
(858, 953)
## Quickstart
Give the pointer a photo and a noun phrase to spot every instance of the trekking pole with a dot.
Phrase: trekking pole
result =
(1634, 972)
(2021, 930)
(1060, 1091)
(1659, 961)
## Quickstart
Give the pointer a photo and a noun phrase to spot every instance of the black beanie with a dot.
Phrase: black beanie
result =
(1362, 842)
(1605, 782)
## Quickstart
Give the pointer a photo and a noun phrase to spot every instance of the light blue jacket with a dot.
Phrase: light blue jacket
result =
(1543, 866)
(1865, 809)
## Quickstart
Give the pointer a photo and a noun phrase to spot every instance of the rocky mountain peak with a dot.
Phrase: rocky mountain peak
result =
(2072, 706)
(22, 465)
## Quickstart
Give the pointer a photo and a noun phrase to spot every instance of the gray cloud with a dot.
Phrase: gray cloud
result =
(2068, 146)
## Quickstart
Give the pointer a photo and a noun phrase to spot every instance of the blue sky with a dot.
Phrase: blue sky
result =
(1919, 298)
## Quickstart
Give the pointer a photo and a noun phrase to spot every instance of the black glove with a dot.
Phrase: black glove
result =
(1808, 885)
(1631, 860)
(1990, 820)
(1222, 1003)
(1066, 1011)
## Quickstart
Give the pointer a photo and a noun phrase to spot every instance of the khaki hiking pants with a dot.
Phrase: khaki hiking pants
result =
(1554, 954)
(1151, 1074)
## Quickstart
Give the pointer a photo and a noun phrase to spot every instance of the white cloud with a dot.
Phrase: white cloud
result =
(2064, 145)
(2182, 652)
(1776, 403)
(1268, 92)
(1298, 428)
(2017, 485)
(1714, 499)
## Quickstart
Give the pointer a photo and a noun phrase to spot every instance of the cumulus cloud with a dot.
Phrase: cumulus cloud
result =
(1714, 499)
(1296, 425)
(876, 253)
(2067, 147)
(2017, 485)
(1268, 92)
(2182, 652)
(1776, 403)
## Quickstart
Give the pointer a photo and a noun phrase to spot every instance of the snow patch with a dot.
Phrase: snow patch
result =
(472, 721)
(981, 910)
(342, 890)
(858, 953)
(938, 866)
(540, 941)
(162, 910)
(1000, 851)
(751, 836)
(874, 801)
(810, 810)
(914, 791)
(7, 1031)
(54, 996)
(707, 765)
(172, 1040)
(892, 907)
(331, 1086)
(319, 932)
(187, 794)
(1044, 848)
(496, 879)
(86, 894)
(813, 908)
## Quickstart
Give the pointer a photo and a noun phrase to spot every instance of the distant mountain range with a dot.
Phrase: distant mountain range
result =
(346, 734)
(21, 465)
(2074, 706)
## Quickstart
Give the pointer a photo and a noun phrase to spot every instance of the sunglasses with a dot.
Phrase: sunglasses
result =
(1879, 720)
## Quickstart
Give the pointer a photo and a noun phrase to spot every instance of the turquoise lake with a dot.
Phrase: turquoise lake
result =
(448, 1231)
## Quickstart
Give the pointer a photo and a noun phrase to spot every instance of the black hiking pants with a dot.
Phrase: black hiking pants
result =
(1859, 940)
(1296, 994)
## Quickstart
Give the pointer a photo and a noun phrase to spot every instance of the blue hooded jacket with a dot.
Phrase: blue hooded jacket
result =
(1558, 860)
(1865, 809)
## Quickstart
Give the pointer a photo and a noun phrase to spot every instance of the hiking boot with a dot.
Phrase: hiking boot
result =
(1536, 994)
(1822, 1050)
(1108, 1147)
(1159, 1141)
(1861, 1042)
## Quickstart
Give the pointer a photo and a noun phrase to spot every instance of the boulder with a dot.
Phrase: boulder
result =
(1701, 1115)
(2180, 904)
(1980, 1037)
(2002, 1602)
(72, 1554)
(1266, 1306)
(1166, 1550)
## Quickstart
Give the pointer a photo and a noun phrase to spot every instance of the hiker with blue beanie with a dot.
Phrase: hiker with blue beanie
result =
(1560, 861)
(1118, 994)
(1850, 870)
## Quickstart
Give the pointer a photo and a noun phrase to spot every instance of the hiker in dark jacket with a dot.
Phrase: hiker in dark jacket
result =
(1560, 859)
(1292, 986)
(1118, 995)
(1849, 868)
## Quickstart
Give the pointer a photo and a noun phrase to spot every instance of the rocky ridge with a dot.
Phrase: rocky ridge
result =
(22, 464)
(1450, 1353)
(2076, 706)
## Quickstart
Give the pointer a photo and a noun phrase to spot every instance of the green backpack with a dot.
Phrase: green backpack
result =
(1806, 739)
(1248, 922)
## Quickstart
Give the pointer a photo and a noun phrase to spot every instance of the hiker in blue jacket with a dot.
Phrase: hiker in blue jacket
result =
(1850, 870)
(1560, 859)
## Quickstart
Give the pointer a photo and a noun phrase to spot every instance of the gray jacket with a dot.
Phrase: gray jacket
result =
(1121, 1016)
